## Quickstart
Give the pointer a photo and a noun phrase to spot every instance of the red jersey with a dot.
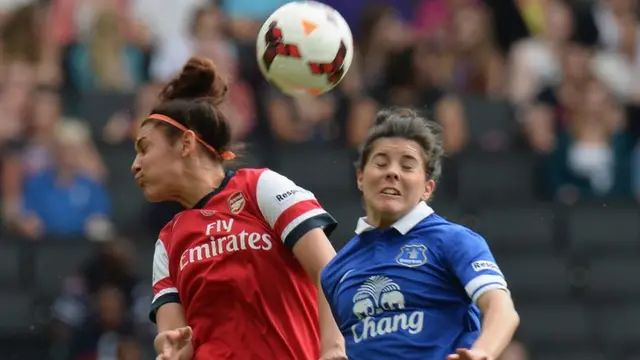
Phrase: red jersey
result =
(228, 261)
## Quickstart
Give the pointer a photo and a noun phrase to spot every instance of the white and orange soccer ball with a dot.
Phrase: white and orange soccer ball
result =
(305, 48)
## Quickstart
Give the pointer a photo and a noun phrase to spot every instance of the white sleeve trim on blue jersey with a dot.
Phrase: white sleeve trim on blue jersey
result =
(483, 283)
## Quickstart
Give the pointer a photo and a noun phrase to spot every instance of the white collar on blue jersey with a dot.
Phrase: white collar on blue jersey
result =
(404, 224)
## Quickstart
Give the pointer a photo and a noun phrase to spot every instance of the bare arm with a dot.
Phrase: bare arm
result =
(282, 121)
(499, 322)
(314, 251)
(170, 316)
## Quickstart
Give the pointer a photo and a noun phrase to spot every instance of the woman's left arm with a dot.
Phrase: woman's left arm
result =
(314, 251)
(499, 322)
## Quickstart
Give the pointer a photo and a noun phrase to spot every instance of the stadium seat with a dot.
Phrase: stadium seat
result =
(15, 312)
(499, 178)
(552, 324)
(614, 277)
(346, 212)
(579, 353)
(11, 255)
(490, 123)
(97, 107)
(55, 261)
(321, 169)
(523, 228)
(126, 197)
(532, 277)
(144, 259)
(617, 323)
(598, 229)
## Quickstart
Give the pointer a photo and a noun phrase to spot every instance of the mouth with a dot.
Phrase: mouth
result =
(390, 191)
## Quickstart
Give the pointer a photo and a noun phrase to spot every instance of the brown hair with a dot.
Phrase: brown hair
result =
(407, 124)
(192, 100)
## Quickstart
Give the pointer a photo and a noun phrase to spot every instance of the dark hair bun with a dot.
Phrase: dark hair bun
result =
(197, 80)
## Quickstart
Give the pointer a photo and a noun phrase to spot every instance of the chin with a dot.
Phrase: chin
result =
(390, 208)
(152, 196)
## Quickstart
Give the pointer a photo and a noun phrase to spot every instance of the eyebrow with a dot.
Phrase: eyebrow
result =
(138, 142)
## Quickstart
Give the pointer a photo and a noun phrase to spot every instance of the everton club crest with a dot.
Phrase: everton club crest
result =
(412, 255)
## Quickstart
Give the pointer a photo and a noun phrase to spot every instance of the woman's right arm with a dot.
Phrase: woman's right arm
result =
(170, 317)
(174, 336)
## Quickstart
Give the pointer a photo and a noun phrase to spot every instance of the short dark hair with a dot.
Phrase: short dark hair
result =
(407, 124)
(192, 99)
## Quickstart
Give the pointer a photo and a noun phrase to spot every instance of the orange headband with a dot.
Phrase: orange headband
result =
(226, 155)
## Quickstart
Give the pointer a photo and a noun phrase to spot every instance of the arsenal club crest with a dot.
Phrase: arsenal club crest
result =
(207, 213)
(412, 255)
(236, 202)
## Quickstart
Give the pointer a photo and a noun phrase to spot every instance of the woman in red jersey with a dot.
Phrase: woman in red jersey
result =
(235, 276)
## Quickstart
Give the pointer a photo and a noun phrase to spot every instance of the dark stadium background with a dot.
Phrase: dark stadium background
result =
(539, 103)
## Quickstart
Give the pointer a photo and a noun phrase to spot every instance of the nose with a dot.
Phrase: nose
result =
(135, 166)
(392, 173)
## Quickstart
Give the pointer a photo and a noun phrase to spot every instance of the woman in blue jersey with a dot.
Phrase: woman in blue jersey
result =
(411, 285)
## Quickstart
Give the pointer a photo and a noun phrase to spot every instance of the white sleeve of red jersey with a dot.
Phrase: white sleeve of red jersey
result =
(290, 210)
(164, 291)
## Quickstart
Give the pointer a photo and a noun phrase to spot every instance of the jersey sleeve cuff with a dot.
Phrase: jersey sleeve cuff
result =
(324, 220)
(483, 283)
(162, 300)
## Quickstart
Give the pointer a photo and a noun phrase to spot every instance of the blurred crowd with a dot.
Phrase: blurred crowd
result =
(570, 69)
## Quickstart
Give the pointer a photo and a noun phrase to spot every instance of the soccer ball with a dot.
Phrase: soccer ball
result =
(305, 48)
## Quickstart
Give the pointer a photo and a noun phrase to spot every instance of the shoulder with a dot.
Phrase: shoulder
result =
(40, 177)
(345, 256)
(448, 234)
(167, 230)
(268, 183)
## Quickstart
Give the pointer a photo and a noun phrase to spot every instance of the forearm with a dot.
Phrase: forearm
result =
(170, 316)
(500, 321)
(330, 336)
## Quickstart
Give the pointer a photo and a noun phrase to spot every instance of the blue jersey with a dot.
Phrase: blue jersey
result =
(408, 292)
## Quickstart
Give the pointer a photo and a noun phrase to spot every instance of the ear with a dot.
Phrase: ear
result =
(189, 143)
(429, 188)
(359, 175)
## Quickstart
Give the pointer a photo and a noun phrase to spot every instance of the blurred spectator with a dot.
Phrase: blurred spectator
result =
(412, 79)
(303, 119)
(111, 269)
(620, 67)
(20, 33)
(123, 125)
(100, 336)
(382, 32)
(434, 19)
(592, 153)
(475, 64)
(535, 62)
(164, 20)
(553, 105)
(205, 36)
(246, 16)
(63, 201)
(106, 61)
(609, 16)
(72, 21)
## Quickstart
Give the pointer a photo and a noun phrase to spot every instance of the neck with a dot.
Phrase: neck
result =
(380, 220)
(197, 186)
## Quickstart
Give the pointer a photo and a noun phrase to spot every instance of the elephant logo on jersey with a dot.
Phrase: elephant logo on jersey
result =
(379, 306)
(376, 295)
(412, 255)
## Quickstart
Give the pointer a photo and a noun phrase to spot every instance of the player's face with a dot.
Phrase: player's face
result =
(157, 167)
(393, 180)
